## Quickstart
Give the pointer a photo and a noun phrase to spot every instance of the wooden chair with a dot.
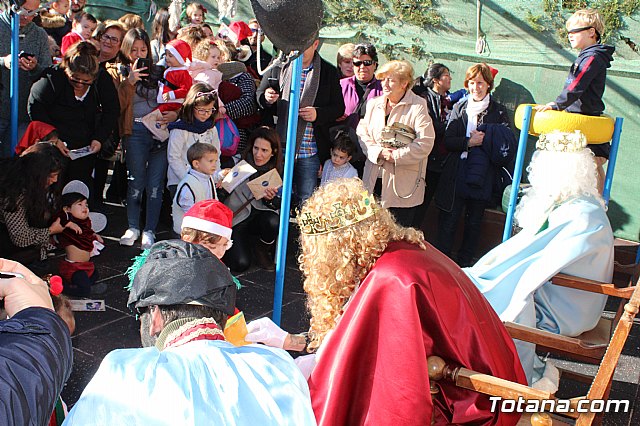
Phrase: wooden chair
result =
(489, 385)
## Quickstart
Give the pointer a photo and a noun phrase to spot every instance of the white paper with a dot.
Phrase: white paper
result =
(74, 154)
(240, 172)
(87, 305)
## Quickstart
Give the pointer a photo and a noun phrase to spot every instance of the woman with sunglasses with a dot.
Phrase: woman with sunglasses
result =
(362, 86)
(81, 102)
(146, 157)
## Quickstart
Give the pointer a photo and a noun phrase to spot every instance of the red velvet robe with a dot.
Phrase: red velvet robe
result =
(413, 303)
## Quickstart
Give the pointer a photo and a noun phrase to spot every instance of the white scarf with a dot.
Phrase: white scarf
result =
(474, 108)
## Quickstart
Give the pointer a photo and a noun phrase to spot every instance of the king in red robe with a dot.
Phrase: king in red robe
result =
(413, 303)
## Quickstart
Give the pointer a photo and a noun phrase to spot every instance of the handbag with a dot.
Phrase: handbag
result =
(397, 135)
(228, 135)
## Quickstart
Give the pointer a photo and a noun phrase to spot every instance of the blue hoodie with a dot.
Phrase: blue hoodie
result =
(584, 87)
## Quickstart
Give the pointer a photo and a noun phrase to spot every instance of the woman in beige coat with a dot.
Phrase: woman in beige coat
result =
(397, 175)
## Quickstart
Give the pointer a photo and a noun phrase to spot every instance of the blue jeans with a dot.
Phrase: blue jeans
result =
(305, 174)
(5, 136)
(147, 165)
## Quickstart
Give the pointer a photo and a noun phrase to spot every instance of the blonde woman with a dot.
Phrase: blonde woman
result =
(379, 309)
(396, 173)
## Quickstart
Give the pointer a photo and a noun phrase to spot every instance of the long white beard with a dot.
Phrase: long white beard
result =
(555, 177)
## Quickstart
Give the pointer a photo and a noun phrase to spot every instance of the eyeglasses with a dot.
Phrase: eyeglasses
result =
(213, 246)
(578, 30)
(109, 38)
(27, 13)
(366, 63)
(205, 110)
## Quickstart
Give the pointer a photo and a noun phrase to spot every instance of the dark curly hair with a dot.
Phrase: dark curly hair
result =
(24, 179)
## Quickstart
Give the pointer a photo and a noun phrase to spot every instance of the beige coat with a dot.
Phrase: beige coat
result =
(403, 178)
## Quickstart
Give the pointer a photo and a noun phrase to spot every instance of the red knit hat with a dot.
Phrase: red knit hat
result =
(209, 216)
(240, 31)
(180, 49)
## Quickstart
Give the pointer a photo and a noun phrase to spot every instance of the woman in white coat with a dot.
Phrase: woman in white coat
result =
(394, 171)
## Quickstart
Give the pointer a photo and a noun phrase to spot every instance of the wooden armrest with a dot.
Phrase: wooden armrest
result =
(590, 346)
(592, 286)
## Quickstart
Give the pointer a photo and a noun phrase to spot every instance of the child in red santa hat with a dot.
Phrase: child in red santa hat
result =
(173, 87)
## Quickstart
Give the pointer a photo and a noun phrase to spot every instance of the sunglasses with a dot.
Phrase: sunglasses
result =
(366, 63)
(578, 30)
(83, 82)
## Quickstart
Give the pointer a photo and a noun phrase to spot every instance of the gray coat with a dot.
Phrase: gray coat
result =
(34, 40)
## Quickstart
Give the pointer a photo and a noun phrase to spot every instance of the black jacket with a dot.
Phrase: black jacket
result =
(457, 142)
(584, 87)
(329, 105)
(78, 122)
(434, 103)
(35, 359)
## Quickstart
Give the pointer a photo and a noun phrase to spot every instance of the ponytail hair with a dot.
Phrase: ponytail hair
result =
(81, 57)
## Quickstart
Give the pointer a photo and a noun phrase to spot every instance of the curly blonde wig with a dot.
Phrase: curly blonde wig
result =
(335, 263)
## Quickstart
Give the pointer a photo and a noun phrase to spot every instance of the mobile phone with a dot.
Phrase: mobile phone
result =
(144, 63)
(24, 54)
(274, 83)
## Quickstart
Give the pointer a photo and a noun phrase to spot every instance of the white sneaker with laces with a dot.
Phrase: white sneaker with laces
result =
(129, 237)
(148, 238)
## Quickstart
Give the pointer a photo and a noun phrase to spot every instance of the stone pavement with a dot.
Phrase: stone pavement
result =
(98, 333)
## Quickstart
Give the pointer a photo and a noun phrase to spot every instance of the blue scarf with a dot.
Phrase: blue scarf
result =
(197, 126)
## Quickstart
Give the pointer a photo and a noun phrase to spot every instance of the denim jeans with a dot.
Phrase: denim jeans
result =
(5, 136)
(147, 165)
(306, 176)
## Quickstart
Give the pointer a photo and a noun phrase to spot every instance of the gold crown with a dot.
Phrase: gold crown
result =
(340, 217)
(562, 142)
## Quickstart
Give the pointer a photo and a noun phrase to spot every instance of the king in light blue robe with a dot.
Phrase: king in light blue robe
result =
(514, 276)
(199, 383)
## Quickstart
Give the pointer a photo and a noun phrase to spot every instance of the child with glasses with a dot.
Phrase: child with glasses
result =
(197, 184)
(584, 87)
(195, 124)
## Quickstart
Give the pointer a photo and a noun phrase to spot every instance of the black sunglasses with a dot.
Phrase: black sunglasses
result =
(366, 63)
(578, 30)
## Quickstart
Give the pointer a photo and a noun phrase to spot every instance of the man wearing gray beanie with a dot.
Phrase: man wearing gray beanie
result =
(191, 375)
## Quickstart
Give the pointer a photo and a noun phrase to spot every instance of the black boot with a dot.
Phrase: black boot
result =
(264, 257)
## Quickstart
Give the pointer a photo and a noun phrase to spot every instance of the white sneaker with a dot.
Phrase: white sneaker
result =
(129, 237)
(148, 238)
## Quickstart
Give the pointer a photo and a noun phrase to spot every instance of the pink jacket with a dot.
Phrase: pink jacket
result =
(201, 71)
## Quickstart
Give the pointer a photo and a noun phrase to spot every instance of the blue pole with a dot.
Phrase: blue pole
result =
(517, 173)
(283, 233)
(13, 89)
(613, 155)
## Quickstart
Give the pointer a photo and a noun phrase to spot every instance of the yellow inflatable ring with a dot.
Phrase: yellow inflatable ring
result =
(596, 129)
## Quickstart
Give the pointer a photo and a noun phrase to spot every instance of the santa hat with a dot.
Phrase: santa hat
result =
(37, 130)
(239, 31)
(493, 70)
(209, 216)
(180, 49)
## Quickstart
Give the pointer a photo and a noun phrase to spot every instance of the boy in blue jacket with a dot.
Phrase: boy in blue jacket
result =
(584, 87)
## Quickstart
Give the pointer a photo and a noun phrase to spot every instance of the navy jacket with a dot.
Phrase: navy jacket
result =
(457, 142)
(35, 360)
(584, 87)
